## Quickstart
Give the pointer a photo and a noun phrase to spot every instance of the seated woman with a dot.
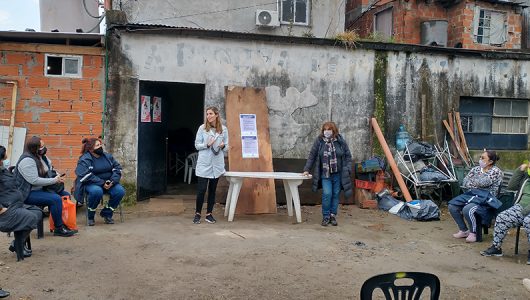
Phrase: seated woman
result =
(98, 173)
(484, 179)
(32, 176)
(517, 215)
(14, 216)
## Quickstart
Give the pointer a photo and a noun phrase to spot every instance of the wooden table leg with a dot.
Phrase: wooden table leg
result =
(229, 195)
(293, 187)
(238, 182)
(288, 197)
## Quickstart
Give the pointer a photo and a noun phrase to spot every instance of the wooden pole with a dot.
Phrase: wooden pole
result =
(391, 160)
(12, 119)
(462, 155)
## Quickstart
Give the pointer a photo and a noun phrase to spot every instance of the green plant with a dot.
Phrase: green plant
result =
(308, 34)
(380, 37)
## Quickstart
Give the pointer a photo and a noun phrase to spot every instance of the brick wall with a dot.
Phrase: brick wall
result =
(408, 16)
(60, 110)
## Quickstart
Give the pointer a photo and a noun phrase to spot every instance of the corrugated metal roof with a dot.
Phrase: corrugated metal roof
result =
(61, 38)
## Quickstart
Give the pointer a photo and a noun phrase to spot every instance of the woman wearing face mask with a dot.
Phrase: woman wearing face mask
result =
(14, 216)
(32, 176)
(98, 173)
(487, 177)
(330, 159)
(212, 143)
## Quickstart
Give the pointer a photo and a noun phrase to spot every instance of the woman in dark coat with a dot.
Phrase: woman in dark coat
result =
(330, 160)
(14, 215)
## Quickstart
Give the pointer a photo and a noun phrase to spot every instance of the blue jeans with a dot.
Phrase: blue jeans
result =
(330, 194)
(50, 199)
(95, 193)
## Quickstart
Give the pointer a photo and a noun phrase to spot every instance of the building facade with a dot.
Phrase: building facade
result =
(452, 23)
(60, 83)
(310, 18)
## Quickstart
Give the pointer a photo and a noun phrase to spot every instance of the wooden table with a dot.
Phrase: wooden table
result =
(291, 181)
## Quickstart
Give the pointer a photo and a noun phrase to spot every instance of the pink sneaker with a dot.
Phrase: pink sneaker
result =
(471, 238)
(461, 234)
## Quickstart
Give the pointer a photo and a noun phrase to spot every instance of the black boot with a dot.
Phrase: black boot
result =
(62, 231)
(27, 252)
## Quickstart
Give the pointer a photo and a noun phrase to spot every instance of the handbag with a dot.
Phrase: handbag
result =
(56, 187)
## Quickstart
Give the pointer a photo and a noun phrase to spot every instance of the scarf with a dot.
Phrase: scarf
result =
(329, 161)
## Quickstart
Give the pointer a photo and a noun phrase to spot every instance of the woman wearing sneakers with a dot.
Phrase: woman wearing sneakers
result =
(480, 180)
(517, 215)
(211, 142)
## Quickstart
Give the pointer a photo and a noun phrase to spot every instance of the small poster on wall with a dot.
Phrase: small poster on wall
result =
(157, 109)
(249, 146)
(145, 111)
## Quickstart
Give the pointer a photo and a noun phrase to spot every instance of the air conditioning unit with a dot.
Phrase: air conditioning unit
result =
(267, 18)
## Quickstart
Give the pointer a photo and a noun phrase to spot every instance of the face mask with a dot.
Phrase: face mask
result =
(42, 151)
(482, 164)
(6, 163)
(328, 133)
(98, 151)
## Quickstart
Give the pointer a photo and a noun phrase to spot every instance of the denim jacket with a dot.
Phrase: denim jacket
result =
(210, 164)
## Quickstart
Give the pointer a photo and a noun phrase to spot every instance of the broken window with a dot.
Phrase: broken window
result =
(63, 66)
(383, 23)
(510, 116)
(489, 27)
(295, 11)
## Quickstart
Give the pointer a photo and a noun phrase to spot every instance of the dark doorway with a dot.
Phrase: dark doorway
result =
(165, 142)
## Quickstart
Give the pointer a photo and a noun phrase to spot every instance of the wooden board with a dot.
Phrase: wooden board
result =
(460, 152)
(257, 196)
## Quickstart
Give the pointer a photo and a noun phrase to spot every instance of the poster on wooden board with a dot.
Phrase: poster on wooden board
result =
(250, 147)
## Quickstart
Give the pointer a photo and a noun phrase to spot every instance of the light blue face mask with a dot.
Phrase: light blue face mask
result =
(6, 163)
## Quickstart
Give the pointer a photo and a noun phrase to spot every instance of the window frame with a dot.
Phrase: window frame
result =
(479, 38)
(307, 13)
(63, 57)
(511, 116)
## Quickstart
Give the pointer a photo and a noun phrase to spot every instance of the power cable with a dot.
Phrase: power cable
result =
(208, 13)
(88, 12)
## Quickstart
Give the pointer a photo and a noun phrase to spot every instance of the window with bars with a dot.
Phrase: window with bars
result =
(295, 12)
(489, 27)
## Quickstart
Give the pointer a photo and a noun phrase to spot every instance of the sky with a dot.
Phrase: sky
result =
(19, 15)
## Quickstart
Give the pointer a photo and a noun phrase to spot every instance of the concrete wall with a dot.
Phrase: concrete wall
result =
(307, 84)
(326, 16)
(68, 15)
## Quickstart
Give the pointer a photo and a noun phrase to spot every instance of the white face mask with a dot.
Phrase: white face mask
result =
(328, 133)
(6, 163)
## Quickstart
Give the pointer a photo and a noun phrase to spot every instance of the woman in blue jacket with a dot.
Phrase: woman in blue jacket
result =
(211, 142)
(330, 160)
(98, 173)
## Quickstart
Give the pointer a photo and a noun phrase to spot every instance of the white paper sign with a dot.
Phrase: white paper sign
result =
(247, 122)
(249, 146)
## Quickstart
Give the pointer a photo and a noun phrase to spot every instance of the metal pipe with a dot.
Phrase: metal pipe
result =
(391, 160)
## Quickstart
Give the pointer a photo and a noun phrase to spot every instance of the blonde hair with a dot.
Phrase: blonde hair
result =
(218, 125)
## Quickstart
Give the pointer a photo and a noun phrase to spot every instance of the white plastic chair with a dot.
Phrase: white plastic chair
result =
(189, 166)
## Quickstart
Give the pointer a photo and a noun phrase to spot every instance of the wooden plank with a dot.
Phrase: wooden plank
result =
(462, 155)
(463, 142)
(257, 196)
(48, 48)
(451, 123)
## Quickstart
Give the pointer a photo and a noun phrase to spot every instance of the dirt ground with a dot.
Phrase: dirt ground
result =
(157, 253)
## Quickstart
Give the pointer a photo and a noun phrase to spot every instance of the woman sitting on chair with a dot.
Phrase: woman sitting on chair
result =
(485, 180)
(98, 173)
(38, 188)
(517, 215)
(14, 217)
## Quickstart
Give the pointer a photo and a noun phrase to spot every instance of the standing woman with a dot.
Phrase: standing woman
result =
(331, 162)
(32, 177)
(211, 142)
(98, 173)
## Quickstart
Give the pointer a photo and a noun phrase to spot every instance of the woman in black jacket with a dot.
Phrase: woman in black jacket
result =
(330, 160)
(14, 216)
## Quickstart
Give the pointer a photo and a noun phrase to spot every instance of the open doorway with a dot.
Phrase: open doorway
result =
(169, 115)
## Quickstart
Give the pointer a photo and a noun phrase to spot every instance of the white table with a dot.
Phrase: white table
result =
(291, 181)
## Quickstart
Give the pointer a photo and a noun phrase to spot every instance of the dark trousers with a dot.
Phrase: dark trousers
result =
(50, 199)
(204, 184)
